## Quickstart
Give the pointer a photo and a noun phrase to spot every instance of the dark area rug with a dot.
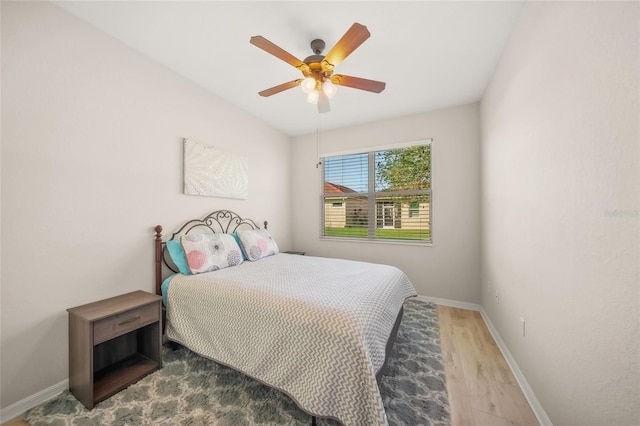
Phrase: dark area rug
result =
(191, 390)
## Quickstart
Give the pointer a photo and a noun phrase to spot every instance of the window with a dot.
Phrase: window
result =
(414, 209)
(378, 195)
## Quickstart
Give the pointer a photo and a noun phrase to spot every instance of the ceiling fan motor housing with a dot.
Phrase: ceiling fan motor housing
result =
(317, 46)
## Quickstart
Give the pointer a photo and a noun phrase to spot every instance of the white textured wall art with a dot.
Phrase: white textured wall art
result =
(213, 172)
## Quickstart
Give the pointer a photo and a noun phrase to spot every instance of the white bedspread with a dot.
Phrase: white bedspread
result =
(315, 328)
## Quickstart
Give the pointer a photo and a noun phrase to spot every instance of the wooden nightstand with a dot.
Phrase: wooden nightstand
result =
(113, 343)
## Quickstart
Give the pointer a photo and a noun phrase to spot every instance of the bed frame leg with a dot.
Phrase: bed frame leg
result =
(158, 243)
(313, 420)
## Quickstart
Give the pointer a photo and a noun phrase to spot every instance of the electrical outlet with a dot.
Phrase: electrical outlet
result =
(523, 326)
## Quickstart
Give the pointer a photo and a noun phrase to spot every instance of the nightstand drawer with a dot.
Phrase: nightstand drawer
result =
(125, 322)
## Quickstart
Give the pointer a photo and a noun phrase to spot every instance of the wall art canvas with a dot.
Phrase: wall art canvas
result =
(213, 172)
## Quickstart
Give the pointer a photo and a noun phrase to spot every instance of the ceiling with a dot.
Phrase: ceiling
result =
(431, 54)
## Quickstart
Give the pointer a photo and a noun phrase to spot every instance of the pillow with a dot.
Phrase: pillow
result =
(237, 238)
(210, 252)
(176, 253)
(258, 243)
(164, 288)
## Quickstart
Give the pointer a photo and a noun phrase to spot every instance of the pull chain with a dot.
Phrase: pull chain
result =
(319, 163)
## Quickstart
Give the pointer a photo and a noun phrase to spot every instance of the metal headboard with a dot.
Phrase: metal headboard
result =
(217, 222)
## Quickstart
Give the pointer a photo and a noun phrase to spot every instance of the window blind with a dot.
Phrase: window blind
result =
(378, 195)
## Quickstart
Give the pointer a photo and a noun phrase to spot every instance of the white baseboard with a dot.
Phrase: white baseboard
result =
(22, 406)
(539, 412)
(452, 303)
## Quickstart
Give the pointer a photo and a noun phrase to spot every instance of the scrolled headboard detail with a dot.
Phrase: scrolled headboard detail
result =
(217, 222)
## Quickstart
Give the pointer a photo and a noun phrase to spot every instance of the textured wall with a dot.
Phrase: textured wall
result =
(91, 161)
(560, 218)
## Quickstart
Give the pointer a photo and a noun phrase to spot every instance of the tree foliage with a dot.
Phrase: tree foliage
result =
(404, 169)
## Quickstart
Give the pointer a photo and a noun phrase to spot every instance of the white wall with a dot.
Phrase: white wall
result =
(0, 217)
(560, 219)
(451, 267)
(91, 162)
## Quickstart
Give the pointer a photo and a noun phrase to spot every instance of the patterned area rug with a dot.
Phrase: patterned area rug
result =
(191, 390)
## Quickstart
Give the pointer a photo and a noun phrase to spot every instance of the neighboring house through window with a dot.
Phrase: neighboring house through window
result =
(379, 195)
(414, 209)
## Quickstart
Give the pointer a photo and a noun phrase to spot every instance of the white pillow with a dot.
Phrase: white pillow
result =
(258, 243)
(210, 252)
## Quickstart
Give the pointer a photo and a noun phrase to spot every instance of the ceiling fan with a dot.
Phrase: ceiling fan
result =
(319, 82)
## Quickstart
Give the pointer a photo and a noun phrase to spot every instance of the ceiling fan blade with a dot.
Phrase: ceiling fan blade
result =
(280, 88)
(354, 37)
(358, 83)
(323, 103)
(279, 52)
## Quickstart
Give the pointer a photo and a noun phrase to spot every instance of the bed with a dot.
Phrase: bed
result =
(317, 329)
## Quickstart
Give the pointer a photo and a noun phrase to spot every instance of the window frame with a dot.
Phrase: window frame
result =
(371, 195)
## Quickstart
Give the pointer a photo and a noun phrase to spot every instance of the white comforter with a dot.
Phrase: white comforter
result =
(315, 328)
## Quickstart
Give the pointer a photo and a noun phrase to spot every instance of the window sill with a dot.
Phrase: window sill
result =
(379, 241)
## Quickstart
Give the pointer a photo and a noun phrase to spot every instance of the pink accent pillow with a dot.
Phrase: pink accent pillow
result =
(258, 243)
(210, 252)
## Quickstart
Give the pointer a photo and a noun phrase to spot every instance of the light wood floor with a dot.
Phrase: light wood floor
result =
(482, 389)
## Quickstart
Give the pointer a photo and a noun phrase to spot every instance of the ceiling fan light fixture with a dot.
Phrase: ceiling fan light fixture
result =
(323, 103)
(308, 85)
(313, 96)
(329, 89)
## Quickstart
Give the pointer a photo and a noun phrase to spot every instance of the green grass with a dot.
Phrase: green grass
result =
(394, 234)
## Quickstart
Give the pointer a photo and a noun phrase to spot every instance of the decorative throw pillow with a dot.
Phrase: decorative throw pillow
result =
(210, 252)
(258, 243)
(176, 253)
(237, 238)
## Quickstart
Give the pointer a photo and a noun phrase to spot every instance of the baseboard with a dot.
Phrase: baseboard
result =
(539, 412)
(22, 406)
(452, 303)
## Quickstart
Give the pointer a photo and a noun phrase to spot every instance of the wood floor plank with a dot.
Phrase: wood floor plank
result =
(459, 404)
(18, 421)
(486, 419)
(482, 388)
